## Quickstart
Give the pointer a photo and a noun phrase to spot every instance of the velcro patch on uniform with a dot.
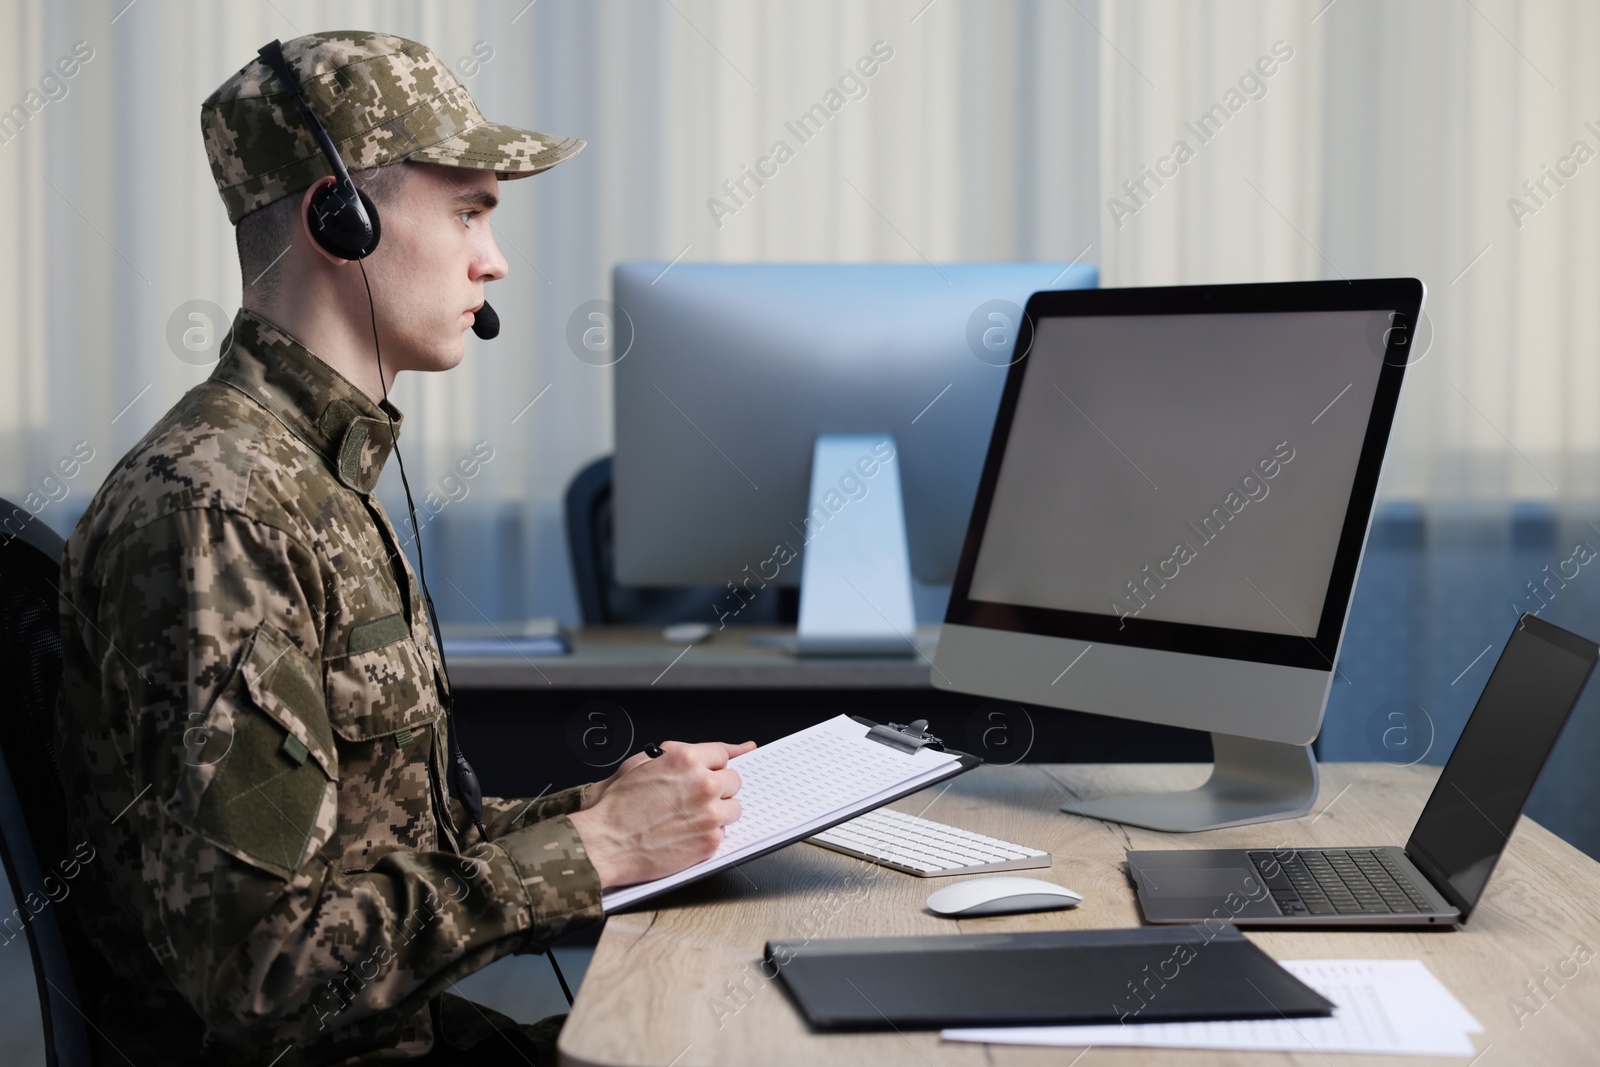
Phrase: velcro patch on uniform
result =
(294, 749)
(350, 453)
(284, 684)
(259, 806)
(375, 634)
(403, 738)
(337, 416)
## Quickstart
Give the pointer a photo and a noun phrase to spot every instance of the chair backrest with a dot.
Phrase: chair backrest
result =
(604, 602)
(585, 493)
(33, 819)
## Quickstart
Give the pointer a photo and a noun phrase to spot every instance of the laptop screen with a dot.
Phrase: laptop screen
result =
(1486, 782)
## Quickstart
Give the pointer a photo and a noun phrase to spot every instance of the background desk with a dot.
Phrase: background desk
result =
(538, 723)
(678, 983)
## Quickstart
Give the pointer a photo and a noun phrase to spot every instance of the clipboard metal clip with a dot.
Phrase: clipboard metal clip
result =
(906, 738)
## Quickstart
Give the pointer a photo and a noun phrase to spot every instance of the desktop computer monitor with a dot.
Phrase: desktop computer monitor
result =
(1171, 517)
(731, 373)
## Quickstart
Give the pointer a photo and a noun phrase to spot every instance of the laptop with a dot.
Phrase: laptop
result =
(1440, 874)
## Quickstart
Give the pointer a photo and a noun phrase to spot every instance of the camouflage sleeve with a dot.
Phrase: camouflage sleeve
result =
(501, 816)
(208, 633)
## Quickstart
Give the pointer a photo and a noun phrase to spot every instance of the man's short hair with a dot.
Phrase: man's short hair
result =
(264, 235)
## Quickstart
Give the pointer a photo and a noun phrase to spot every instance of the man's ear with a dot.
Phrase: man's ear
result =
(305, 222)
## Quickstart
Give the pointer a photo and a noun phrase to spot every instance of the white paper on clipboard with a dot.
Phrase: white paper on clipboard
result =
(800, 784)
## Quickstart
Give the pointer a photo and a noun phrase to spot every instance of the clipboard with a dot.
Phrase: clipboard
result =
(921, 758)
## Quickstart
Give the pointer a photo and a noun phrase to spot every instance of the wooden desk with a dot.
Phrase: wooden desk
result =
(678, 983)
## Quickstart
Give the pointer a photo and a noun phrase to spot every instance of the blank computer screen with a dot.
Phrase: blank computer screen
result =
(1183, 468)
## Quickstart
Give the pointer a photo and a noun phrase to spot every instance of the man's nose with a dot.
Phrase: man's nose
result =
(489, 264)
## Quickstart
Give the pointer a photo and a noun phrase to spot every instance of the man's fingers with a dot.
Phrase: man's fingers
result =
(729, 811)
(716, 753)
(712, 755)
(720, 752)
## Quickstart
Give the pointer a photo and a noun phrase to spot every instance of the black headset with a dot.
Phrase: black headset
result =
(345, 222)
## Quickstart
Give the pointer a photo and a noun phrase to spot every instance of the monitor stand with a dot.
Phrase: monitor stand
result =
(1251, 781)
(855, 575)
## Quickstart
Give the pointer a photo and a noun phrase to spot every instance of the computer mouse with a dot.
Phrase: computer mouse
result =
(1000, 895)
(686, 633)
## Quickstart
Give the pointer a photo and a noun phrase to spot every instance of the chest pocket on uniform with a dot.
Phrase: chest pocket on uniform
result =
(259, 766)
(383, 684)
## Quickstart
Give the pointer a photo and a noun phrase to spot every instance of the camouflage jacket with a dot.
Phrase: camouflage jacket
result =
(252, 737)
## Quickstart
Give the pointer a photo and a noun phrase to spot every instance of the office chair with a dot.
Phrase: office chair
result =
(33, 833)
(590, 526)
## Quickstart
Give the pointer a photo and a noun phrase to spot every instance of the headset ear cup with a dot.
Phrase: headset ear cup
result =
(373, 220)
(347, 228)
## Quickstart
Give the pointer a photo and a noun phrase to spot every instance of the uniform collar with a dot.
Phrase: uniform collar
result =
(320, 405)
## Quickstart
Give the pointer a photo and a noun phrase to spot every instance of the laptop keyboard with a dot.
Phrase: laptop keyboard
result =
(1338, 881)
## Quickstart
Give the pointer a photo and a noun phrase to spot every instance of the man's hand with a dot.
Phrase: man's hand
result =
(596, 790)
(655, 817)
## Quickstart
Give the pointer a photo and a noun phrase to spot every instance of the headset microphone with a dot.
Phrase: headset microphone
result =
(485, 323)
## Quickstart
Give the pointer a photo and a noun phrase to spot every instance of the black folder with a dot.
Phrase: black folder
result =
(1145, 974)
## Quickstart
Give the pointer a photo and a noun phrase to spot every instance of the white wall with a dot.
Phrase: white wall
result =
(1388, 144)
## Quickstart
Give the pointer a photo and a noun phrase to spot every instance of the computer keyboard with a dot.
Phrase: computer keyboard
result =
(1338, 881)
(925, 848)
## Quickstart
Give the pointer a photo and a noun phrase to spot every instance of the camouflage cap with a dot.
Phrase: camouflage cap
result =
(382, 98)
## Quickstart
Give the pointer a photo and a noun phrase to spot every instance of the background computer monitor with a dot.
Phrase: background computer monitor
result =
(1171, 518)
(731, 371)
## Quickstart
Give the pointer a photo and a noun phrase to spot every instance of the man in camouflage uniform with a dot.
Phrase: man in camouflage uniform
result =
(253, 715)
